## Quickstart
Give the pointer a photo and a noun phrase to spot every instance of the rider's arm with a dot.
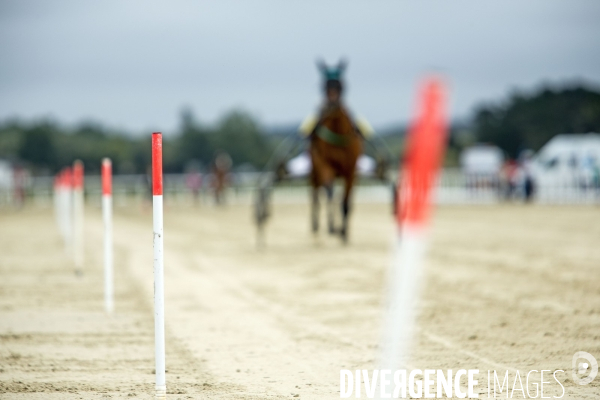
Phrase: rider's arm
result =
(308, 125)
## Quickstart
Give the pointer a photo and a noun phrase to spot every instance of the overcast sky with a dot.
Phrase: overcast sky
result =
(135, 64)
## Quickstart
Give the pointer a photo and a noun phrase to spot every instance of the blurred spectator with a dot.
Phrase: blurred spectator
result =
(528, 178)
(220, 170)
(509, 178)
(193, 181)
(588, 173)
(20, 179)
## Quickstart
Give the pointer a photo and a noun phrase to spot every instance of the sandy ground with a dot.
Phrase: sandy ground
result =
(507, 288)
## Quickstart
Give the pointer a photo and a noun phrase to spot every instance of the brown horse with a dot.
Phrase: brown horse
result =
(335, 146)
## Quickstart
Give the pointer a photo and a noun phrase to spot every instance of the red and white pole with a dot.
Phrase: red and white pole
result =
(59, 203)
(108, 241)
(426, 142)
(159, 272)
(56, 199)
(67, 209)
(78, 242)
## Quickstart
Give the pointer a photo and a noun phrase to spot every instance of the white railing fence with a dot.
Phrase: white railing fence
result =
(454, 187)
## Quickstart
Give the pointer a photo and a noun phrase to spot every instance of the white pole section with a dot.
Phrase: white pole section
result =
(108, 241)
(56, 199)
(68, 210)
(59, 189)
(159, 272)
(78, 215)
(426, 143)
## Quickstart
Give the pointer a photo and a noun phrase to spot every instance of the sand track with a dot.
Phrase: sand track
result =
(507, 288)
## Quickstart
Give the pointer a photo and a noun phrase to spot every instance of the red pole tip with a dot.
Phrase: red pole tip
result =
(426, 143)
(68, 177)
(157, 170)
(78, 174)
(106, 176)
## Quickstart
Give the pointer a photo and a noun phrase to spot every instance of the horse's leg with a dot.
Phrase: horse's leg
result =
(315, 182)
(315, 208)
(329, 189)
(322, 175)
(349, 183)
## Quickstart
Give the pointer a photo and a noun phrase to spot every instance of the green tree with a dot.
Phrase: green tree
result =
(239, 134)
(10, 139)
(37, 146)
(194, 141)
(530, 120)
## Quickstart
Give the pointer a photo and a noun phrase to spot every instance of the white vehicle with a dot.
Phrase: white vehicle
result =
(482, 159)
(569, 160)
(481, 166)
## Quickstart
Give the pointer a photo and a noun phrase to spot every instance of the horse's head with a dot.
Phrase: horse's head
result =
(333, 80)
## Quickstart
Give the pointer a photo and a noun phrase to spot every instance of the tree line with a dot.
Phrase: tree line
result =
(525, 120)
(46, 146)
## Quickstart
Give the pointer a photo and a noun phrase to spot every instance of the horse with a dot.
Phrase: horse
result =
(335, 146)
(220, 171)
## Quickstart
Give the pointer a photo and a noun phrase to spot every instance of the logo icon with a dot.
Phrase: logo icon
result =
(590, 366)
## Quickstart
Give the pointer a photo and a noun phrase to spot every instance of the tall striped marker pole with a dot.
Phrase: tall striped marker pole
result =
(426, 144)
(78, 216)
(56, 198)
(59, 188)
(108, 241)
(159, 271)
(67, 209)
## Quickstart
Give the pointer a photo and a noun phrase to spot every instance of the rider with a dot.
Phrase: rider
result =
(333, 89)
